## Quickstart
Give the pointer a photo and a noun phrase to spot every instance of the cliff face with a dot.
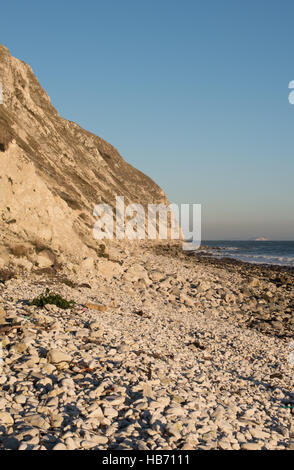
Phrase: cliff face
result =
(52, 174)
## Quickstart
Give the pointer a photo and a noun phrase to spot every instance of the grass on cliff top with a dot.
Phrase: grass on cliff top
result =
(50, 298)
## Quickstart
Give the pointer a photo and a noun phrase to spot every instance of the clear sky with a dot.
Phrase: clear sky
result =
(193, 93)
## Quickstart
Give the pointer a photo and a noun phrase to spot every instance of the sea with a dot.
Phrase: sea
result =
(261, 252)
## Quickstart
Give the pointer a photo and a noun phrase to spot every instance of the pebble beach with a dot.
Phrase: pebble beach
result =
(163, 350)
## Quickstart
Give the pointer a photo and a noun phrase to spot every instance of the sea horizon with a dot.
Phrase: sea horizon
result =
(270, 252)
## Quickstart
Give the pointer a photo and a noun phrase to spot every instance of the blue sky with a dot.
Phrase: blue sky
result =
(193, 93)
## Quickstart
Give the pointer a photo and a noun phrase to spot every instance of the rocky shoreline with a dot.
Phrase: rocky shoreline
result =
(162, 350)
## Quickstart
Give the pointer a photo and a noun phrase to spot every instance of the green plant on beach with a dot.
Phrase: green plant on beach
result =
(52, 299)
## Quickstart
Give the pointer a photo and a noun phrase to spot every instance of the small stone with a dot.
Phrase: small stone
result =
(82, 333)
(147, 390)
(2, 315)
(6, 418)
(100, 308)
(11, 443)
(251, 446)
(156, 276)
(56, 356)
(253, 282)
(100, 440)
(259, 434)
(115, 400)
(210, 435)
(95, 325)
(223, 444)
(56, 420)
(21, 399)
(96, 413)
(60, 446)
(20, 348)
(178, 399)
(176, 411)
(174, 430)
(70, 443)
(37, 421)
(110, 412)
(48, 368)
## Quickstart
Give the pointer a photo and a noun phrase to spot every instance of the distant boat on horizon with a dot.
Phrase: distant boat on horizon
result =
(261, 239)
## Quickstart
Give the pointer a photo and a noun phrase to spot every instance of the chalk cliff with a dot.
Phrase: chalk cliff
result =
(52, 174)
